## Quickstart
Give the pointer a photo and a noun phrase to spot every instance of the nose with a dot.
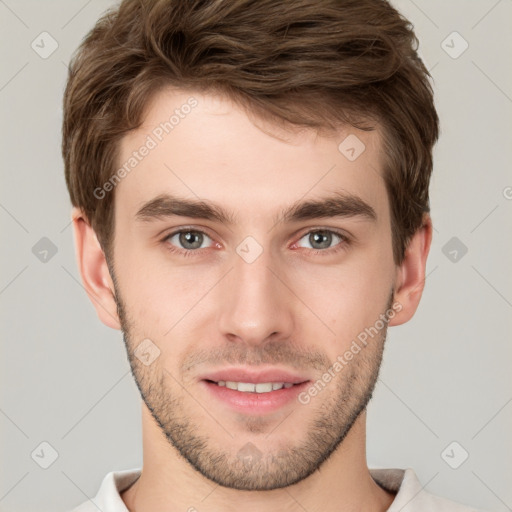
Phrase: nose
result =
(256, 304)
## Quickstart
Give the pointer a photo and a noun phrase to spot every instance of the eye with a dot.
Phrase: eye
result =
(322, 239)
(187, 239)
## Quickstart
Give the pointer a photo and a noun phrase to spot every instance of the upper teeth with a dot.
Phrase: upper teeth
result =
(261, 387)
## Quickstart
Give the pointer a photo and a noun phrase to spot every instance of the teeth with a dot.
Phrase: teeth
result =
(261, 387)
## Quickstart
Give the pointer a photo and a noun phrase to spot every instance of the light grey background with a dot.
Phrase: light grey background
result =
(446, 375)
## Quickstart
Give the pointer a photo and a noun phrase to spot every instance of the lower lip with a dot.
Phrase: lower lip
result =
(254, 403)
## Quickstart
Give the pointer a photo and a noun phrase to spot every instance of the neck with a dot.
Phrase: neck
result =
(342, 483)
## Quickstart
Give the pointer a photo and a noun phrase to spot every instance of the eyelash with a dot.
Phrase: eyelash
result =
(196, 252)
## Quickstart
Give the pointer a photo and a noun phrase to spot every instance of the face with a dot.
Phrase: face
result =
(250, 262)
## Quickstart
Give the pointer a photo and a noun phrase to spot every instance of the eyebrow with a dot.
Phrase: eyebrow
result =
(340, 204)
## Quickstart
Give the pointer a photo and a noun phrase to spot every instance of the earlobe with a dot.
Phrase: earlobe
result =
(410, 280)
(94, 270)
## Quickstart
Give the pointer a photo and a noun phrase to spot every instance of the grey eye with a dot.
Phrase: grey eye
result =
(188, 239)
(321, 239)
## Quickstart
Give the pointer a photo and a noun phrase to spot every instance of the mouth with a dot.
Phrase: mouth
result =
(255, 393)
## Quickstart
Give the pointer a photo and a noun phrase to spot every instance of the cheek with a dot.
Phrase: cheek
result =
(146, 295)
(166, 302)
(348, 297)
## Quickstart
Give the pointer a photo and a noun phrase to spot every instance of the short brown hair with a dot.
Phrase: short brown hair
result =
(311, 63)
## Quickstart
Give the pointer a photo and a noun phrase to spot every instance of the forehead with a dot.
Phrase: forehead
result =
(204, 146)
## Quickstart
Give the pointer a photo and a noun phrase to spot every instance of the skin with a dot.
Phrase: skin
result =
(292, 308)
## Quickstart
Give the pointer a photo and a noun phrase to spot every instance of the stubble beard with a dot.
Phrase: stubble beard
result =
(335, 412)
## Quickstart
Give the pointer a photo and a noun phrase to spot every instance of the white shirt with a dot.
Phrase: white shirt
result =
(410, 496)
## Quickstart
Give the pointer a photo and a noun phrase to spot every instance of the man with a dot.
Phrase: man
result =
(250, 191)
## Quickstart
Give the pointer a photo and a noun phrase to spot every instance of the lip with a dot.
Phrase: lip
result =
(253, 403)
(255, 376)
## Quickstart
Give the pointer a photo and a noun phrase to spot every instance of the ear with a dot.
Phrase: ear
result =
(94, 270)
(410, 277)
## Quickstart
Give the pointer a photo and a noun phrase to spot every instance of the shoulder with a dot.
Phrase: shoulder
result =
(411, 495)
(108, 497)
(430, 501)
